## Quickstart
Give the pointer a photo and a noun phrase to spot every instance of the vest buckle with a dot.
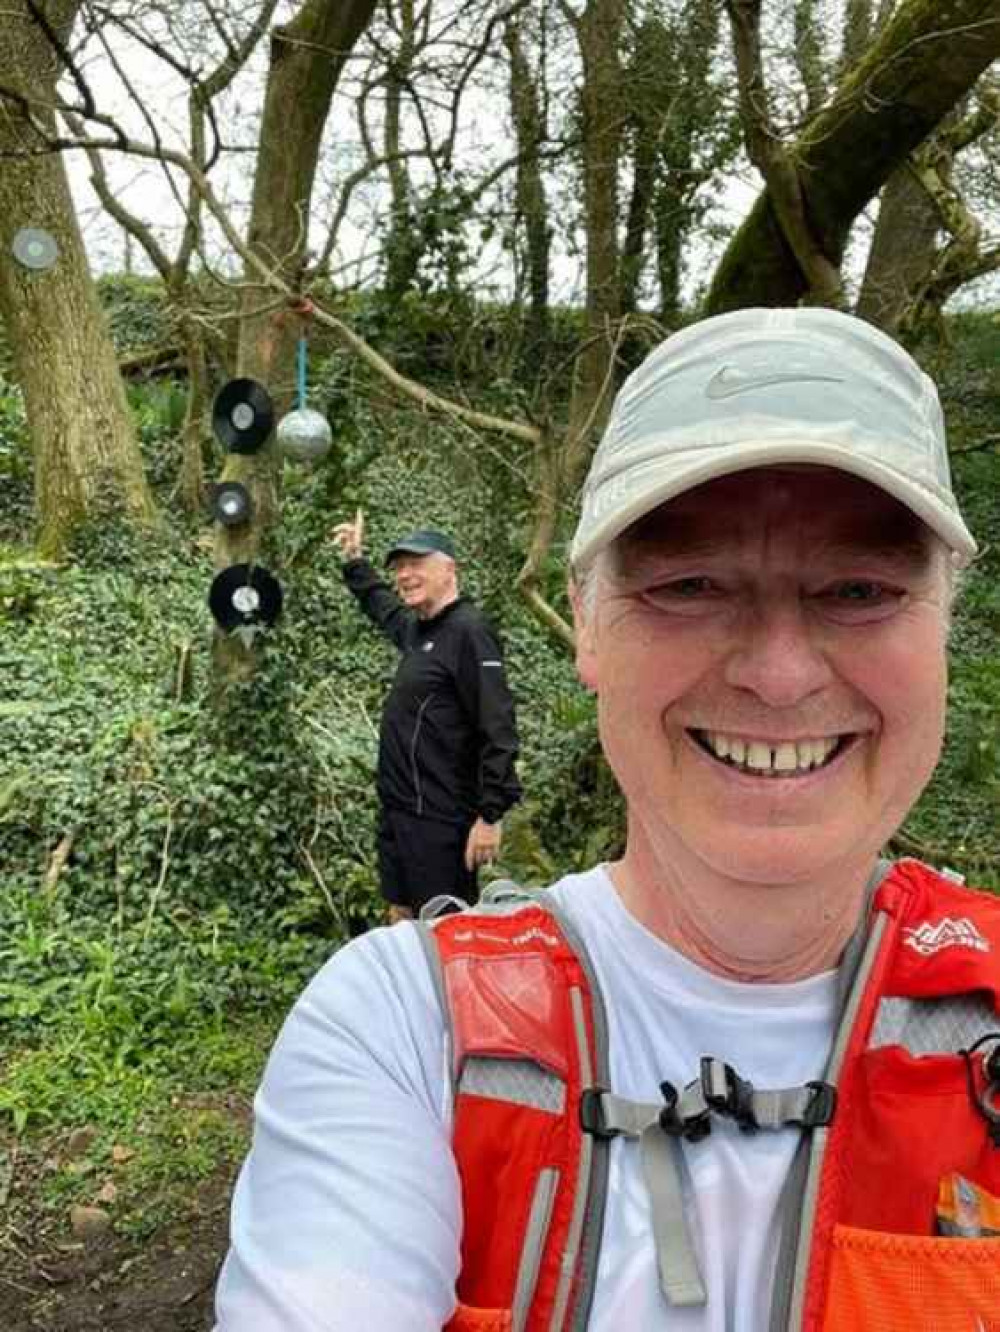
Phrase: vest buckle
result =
(691, 1127)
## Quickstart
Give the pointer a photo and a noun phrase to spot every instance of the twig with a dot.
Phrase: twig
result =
(58, 863)
(164, 866)
(307, 856)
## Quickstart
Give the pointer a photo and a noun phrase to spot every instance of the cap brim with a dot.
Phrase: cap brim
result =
(725, 461)
(411, 550)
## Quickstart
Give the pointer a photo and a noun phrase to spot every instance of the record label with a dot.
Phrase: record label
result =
(231, 503)
(35, 248)
(246, 600)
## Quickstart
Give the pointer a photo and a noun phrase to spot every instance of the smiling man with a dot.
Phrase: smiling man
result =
(747, 1077)
(447, 740)
(768, 651)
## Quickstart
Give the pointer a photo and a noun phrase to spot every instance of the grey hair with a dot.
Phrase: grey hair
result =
(587, 577)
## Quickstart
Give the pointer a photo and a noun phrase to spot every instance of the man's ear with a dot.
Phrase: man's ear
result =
(584, 624)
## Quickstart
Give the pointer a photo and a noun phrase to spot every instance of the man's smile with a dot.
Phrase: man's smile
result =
(772, 758)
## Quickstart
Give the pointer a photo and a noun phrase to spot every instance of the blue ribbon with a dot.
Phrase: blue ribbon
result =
(301, 373)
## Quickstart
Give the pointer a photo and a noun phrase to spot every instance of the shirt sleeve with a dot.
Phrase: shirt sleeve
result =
(378, 601)
(347, 1213)
(485, 695)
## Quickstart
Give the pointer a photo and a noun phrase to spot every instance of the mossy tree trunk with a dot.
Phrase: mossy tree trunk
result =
(527, 107)
(194, 433)
(403, 246)
(599, 36)
(902, 251)
(923, 61)
(88, 466)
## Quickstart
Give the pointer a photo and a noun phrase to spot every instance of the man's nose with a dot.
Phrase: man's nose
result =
(779, 655)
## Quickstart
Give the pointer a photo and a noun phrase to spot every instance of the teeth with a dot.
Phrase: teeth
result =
(758, 755)
(785, 756)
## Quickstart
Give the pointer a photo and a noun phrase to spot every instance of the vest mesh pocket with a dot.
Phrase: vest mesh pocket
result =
(882, 1282)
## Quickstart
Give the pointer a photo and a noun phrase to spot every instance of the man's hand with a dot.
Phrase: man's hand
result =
(348, 536)
(483, 845)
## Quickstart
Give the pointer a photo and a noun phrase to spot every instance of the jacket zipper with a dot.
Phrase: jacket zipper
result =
(413, 754)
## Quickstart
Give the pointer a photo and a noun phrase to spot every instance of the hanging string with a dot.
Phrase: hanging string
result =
(301, 372)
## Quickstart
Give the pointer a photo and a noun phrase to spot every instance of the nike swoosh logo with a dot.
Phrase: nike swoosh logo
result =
(729, 381)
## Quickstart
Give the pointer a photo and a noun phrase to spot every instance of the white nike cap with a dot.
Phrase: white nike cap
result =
(757, 387)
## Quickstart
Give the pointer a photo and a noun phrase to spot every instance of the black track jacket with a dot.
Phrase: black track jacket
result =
(447, 741)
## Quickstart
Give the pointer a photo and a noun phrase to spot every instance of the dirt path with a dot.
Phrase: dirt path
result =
(113, 1285)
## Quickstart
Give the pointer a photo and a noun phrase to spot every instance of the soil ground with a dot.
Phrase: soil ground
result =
(52, 1282)
(164, 1284)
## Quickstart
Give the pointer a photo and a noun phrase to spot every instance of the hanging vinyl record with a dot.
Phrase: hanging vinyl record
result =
(35, 248)
(242, 415)
(231, 504)
(245, 595)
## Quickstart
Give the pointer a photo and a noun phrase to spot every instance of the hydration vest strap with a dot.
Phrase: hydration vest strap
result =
(811, 1105)
(676, 1261)
(687, 1114)
(605, 1115)
(719, 1090)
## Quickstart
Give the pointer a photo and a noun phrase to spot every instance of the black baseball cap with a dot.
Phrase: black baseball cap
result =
(425, 541)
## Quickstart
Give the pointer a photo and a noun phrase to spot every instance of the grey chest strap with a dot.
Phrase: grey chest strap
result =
(719, 1090)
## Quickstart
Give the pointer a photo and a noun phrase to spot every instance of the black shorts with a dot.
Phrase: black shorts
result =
(421, 858)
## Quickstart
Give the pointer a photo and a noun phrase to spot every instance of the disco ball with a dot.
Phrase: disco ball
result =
(304, 435)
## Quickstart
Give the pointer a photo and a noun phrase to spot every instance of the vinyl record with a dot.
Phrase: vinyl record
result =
(33, 247)
(242, 415)
(243, 595)
(231, 504)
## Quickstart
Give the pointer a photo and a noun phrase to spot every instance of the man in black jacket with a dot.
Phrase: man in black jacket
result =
(447, 740)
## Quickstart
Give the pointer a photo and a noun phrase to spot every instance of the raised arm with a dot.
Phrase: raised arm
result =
(375, 597)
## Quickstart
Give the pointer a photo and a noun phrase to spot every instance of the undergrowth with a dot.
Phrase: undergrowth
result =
(175, 868)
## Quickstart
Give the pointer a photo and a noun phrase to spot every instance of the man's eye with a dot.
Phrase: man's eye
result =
(862, 590)
(689, 587)
(695, 588)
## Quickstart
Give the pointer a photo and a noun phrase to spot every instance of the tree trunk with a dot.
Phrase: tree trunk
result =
(532, 205)
(902, 253)
(307, 58)
(403, 250)
(809, 54)
(924, 60)
(193, 432)
(87, 460)
(672, 214)
(688, 152)
(599, 34)
(858, 23)
(650, 88)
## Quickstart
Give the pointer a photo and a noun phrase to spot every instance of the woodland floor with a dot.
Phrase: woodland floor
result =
(51, 1282)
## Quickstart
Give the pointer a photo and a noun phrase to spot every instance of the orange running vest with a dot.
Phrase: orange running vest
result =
(917, 1099)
